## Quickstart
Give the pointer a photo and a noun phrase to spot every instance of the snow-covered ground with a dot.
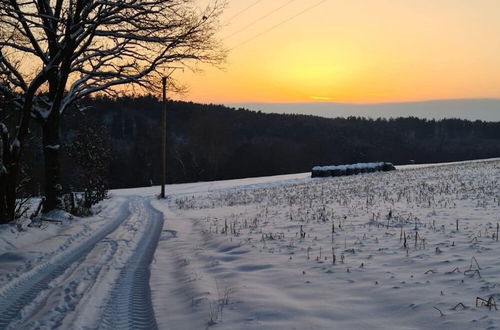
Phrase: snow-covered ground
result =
(376, 251)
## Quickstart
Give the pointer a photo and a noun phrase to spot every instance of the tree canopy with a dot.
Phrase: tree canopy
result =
(56, 52)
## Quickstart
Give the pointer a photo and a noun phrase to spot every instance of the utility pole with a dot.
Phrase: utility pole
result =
(163, 134)
(164, 138)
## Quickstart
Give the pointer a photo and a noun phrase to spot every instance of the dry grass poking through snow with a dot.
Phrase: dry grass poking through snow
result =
(417, 248)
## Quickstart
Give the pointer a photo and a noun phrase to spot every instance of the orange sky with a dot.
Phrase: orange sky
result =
(359, 51)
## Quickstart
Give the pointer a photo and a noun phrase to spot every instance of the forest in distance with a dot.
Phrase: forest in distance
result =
(214, 142)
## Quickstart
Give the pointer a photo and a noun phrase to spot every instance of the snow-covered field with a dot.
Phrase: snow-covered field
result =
(374, 251)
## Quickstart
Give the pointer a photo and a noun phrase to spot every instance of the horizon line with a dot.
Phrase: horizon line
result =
(358, 103)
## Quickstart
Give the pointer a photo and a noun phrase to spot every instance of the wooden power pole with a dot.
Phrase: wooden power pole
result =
(164, 138)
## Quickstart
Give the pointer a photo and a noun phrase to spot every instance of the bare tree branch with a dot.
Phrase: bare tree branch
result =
(55, 52)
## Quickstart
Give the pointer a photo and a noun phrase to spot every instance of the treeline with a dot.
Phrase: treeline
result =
(213, 142)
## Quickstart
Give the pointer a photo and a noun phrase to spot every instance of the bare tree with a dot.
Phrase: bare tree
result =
(55, 52)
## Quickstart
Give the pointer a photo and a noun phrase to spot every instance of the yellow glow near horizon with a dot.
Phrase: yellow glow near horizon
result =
(321, 98)
(356, 51)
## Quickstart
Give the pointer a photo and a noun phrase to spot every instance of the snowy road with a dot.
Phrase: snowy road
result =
(99, 279)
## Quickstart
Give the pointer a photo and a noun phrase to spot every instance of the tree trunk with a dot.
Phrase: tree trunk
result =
(3, 199)
(12, 150)
(51, 147)
(8, 194)
(3, 183)
(6, 206)
(8, 178)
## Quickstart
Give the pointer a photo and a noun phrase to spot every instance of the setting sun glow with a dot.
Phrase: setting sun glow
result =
(354, 51)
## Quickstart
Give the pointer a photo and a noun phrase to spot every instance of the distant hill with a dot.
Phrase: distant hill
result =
(214, 142)
(470, 109)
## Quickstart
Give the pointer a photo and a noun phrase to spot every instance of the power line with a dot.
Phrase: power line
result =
(279, 24)
(261, 18)
(244, 10)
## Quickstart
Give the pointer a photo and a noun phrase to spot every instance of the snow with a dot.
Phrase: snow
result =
(53, 146)
(345, 167)
(15, 144)
(380, 285)
(3, 129)
(209, 186)
(230, 255)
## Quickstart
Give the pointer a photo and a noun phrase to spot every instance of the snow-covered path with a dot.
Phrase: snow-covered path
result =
(99, 279)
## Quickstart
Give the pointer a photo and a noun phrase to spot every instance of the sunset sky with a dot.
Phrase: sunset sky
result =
(357, 51)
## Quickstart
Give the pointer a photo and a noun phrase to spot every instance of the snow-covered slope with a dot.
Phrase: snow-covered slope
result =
(376, 251)
(210, 186)
(260, 254)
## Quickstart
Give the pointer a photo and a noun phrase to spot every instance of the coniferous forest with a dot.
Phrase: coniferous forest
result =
(214, 142)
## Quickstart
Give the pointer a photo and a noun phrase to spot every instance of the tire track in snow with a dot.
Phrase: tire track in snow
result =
(71, 237)
(66, 292)
(18, 293)
(130, 305)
